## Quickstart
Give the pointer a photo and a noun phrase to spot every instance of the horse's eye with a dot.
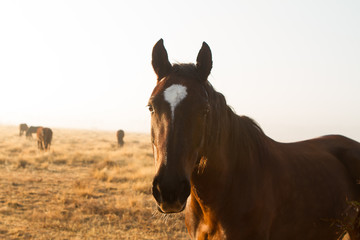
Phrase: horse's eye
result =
(151, 109)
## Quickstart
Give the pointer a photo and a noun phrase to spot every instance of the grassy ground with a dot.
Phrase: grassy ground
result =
(85, 187)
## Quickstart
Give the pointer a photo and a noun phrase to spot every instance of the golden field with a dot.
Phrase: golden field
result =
(85, 187)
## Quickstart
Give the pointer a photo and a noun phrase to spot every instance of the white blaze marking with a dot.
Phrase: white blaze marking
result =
(174, 95)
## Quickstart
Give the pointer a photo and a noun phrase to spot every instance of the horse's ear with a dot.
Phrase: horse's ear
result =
(204, 61)
(160, 61)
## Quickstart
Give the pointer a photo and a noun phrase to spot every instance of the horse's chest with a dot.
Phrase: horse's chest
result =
(204, 232)
(202, 228)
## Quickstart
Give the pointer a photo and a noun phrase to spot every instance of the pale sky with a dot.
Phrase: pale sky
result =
(293, 66)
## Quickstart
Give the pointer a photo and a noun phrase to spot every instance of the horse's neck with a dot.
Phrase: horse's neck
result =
(231, 152)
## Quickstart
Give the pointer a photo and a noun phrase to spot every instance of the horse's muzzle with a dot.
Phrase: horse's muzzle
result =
(170, 198)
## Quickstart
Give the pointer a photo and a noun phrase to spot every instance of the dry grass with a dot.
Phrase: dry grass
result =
(85, 187)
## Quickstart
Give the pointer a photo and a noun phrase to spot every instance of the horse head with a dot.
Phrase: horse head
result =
(179, 108)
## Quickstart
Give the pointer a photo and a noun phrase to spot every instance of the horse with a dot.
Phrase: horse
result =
(31, 130)
(44, 137)
(23, 127)
(232, 180)
(120, 137)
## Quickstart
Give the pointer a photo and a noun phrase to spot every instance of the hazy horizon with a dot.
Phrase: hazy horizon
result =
(291, 66)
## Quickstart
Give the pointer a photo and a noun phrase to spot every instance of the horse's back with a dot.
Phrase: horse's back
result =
(325, 150)
(341, 148)
(316, 179)
(335, 143)
(331, 158)
(31, 130)
(345, 150)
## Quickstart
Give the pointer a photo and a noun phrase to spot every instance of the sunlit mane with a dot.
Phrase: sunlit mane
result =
(242, 130)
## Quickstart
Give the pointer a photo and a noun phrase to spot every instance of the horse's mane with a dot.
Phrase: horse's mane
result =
(241, 132)
(244, 135)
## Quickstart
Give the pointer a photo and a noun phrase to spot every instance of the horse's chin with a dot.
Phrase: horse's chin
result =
(168, 210)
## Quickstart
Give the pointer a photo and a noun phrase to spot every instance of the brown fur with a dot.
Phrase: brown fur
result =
(23, 127)
(120, 137)
(243, 184)
(30, 131)
(44, 137)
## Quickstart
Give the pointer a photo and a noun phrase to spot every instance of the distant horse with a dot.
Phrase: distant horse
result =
(120, 137)
(30, 131)
(44, 137)
(23, 127)
(242, 184)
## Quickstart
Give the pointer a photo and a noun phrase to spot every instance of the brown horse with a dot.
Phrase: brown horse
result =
(120, 137)
(44, 137)
(30, 131)
(23, 127)
(242, 184)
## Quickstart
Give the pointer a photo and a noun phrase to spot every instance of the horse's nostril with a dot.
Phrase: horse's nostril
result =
(170, 193)
(156, 191)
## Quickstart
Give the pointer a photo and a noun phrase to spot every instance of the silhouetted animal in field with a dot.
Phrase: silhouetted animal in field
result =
(30, 131)
(120, 137)
(44, 137)
(23, 128)
(233, 181)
